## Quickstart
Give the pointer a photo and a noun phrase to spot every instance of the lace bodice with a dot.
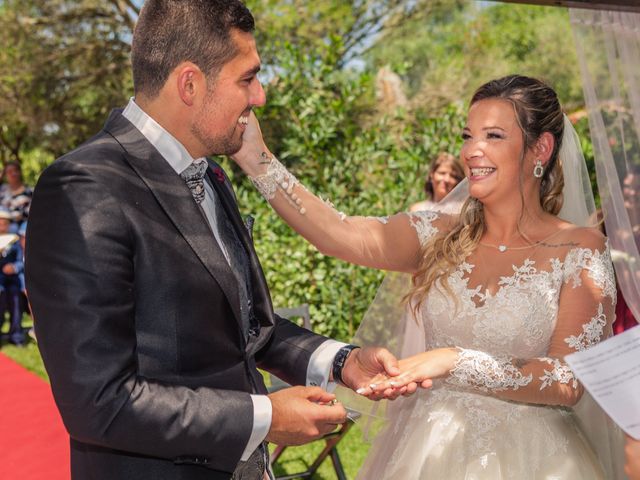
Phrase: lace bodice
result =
(546, 302)
(520, 318)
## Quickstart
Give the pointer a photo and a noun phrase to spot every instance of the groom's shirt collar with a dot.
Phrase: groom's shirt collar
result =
(169, 147)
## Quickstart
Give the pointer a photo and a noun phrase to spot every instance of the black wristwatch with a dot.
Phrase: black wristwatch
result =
(339, 360)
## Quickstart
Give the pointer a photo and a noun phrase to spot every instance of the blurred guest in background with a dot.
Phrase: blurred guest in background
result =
(15, 196)
(445, 172)
(11, 268)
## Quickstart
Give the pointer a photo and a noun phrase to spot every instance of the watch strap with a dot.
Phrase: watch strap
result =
(339, 360)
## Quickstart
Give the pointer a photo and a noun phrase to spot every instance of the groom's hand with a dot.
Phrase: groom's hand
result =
(302, 414)
(365, 364)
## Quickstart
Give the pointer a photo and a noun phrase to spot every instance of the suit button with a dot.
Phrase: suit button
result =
(313, 384)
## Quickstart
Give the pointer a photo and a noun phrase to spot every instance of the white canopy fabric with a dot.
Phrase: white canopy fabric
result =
(608, 46)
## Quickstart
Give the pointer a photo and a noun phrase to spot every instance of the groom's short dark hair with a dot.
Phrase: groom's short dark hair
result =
(169, 32)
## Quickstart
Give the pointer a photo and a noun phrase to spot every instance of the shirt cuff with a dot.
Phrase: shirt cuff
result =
(320, 363)
(262, 412)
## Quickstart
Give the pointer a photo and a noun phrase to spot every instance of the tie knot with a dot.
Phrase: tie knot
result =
(193, 175)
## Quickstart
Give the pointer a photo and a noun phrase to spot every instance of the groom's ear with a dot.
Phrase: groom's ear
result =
(190, 82)
(544, 147)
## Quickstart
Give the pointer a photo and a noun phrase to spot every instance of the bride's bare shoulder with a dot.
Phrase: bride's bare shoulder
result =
(582, 237)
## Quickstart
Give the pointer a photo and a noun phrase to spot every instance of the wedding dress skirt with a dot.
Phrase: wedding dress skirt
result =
(447, 434)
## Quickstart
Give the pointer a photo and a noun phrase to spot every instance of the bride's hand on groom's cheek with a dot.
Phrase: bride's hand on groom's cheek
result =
(253, 156)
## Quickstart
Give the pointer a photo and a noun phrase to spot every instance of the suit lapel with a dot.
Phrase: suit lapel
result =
(176, 200)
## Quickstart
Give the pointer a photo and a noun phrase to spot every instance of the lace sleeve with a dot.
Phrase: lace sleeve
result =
(388, 243)
(585, 314)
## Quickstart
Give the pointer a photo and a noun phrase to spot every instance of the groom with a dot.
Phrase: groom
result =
(151, 308)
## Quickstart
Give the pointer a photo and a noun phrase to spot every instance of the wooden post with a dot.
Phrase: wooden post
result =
(616, 5)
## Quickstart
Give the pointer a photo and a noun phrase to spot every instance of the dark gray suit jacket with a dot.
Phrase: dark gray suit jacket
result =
(137, 316)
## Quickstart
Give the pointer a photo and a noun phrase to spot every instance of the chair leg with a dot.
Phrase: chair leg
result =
(324, 454)
(275, 455)
(337, 464)
(330, 449)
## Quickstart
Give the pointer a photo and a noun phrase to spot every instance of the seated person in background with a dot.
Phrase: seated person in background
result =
(445, 172)
(11, 267)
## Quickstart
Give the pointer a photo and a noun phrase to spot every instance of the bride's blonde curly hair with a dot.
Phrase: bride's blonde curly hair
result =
(537, 111)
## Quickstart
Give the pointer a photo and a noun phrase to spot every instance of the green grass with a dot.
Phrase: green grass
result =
(27, 356)
(352, 448)
(352, 451)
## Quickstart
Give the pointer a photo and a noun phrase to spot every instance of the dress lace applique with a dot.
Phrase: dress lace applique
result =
(559, 373)
(599, 266)
(591, 332)
(487, 373)
(423, 223)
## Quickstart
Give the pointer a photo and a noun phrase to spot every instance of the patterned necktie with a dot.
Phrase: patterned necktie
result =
(193, 175)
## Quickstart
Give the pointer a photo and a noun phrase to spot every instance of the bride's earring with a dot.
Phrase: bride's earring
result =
(538, 170)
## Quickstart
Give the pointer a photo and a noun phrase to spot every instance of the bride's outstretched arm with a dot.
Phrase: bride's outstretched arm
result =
(586, 311)
(388, 243)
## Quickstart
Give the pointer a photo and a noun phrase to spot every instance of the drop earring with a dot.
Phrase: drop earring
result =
(538, 170)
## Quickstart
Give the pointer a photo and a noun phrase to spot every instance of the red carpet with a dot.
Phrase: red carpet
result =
(33, 442)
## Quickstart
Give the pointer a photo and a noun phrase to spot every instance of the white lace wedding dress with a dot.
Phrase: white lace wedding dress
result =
(504, 411)
(507, 410)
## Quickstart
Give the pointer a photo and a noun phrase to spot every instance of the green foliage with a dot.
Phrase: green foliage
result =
(65, 66)
(460, 46)
(312, 25)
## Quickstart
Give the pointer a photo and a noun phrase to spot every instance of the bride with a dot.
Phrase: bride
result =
(501, 292)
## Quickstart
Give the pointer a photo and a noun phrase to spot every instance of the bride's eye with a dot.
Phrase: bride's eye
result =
(494, 135)
(465, 136)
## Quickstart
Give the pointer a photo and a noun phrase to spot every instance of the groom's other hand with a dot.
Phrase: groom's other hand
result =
(366, 364)
(302, 414)
(632, 465)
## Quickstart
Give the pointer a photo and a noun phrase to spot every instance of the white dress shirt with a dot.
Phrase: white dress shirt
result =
(177, 156)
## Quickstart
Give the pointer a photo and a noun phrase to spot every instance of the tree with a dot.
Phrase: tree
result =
(349, 26)
(66, 63)
(64, 67)
(460, 47)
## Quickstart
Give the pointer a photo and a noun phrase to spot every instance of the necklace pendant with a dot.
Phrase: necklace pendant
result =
(502, 248)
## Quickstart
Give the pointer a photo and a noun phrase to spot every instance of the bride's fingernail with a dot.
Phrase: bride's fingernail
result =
(393, 384)
(360, 391)
(373, 386)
